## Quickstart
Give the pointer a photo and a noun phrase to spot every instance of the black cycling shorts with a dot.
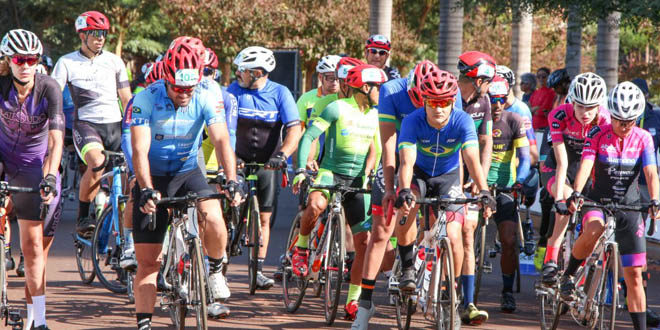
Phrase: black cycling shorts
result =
(630, 234)
(87, 136)
(506, 208)
(355, 205)
(267, 181)
(168, 186)
(378, 191)
(448, 184)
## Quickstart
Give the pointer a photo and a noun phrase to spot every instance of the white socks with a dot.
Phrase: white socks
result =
(30, 316)
(39, 310)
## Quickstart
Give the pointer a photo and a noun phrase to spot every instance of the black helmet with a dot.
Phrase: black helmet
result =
(557, 77)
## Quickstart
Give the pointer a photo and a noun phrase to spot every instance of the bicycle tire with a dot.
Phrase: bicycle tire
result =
(198, 289)
(4, 302)
(103, 239)
(607, 312)
(84, 261)
(334, 265)
(293, 287)
(479, 255)
(446, 305)
(404, 305)
(177, 309)
(519, 250)
(254, 240)
(548, 302)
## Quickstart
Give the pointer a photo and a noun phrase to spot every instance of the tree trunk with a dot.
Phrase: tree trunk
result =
(310, 70)
(225, 67)
(450, 36)
(521, 44)
(380, 19)
(120, 40)
(607, 48)
(573, 42)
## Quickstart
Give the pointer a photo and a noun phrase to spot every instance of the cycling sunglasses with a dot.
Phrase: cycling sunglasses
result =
(97, 33)
(625, 122)
(20, 60)
(441, 103)
(494, 100)
(182, 90)
(381, 52)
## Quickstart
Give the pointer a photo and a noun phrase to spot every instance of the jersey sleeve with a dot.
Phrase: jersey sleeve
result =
(231, 115)
(53, 94)
(590, 149)
(648, 153)
(288, 109)
(142, 106)
(409, 129)
(557, 123)
(328, 116)
(302, 106)
(122, 74)
(487, 124)
(386, 110)
(60, 74)
(468, 131)
(212, 108)
(519, 132)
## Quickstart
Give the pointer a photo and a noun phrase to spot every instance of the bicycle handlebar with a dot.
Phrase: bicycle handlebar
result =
(612, 206)
(115, 158)
(341, 188)
(176, 202)
(446, 200)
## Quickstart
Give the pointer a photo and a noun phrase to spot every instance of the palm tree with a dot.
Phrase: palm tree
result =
(573, 41)
(521, 43)
(450, 34)
(607, 48)
(380, 17)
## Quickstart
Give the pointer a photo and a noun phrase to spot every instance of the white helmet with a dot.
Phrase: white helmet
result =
(20, 42)
(255, 57)
(587, 89)
(327, 63)
(626, 101)
(506, 73)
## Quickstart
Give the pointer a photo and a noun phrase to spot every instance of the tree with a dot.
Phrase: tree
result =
(607, 56)
(380, 17)
(521, 43)
(450, 34)
(573, 41)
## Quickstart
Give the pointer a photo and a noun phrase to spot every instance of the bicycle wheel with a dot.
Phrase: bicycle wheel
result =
(254, 239)
(608, 295)
(405, 306)
(334, 265)
(84, 259)
(3, 276)
(548, 299)
(444, 293)
(293, 287)
(106, 253)
(198, 284)
(479, 255)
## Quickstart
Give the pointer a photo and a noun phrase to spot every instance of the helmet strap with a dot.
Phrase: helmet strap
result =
(87, 45)
(22, 83)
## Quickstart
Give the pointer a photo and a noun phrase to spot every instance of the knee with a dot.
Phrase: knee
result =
(149, 264)
(360, 240)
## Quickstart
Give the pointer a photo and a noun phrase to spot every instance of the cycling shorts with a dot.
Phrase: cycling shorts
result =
(378, 191)
(448, 184)
(168, 186)
(68, 137)
(630, 235)
(267, 188)
(548, 178)
(506, 208)
(355, 205)
(27, 205)
(88, 136)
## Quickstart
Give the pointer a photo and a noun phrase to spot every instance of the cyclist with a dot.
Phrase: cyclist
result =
(476, 72)
(559, 81)
(569, 124)
(95, 78)
(541, 100)
(510, 145)
(527, 86)
(397, 98)
(377, 51)
(431, 144)
(352, 126)
(211, 66)
(329, 83)
(614, 156)
(31, 139)
(164, 144)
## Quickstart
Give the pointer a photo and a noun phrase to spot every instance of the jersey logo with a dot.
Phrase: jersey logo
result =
(159, 137)
(497, 133)
(593, 131)
(345, 132)
(555, 125)
(560, 115)
(451, 140)
(137, 109)
(264, 115)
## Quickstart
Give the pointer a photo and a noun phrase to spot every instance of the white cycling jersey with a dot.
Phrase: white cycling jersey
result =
(93, 85)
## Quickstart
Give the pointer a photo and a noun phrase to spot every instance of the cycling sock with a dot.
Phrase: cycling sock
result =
(573, 265)
(260, 265)
(407, 256)
(39, 310)
(215, 265)
(639, 320)
(83, 209)
(303, 241)
(507, 282)
(143, 321)
(468, 289)
(551, 254)
(367, 289)
(30, 316)
(353, 292)
(128, 239)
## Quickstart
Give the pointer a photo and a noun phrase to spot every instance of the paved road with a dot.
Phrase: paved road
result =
(73, 305)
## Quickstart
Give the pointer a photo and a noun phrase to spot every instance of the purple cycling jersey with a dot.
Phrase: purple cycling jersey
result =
(25, 126)
(618, 162)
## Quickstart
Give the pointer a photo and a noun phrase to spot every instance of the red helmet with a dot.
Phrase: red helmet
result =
(438, 84)
(378, 41)
(182, 64)
(345, 64)
(415, 77)
(193, 42)
(155, 73)
(211, 59)
(92, 20)
(498, 87)
(477, 65)
(363, 74)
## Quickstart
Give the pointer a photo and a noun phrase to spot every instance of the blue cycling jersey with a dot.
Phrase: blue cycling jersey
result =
(67, 107)
(231, 115)
(175, 133)
(519, 107)
(438, 150)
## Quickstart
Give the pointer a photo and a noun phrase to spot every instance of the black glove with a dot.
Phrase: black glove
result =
(49, 185)
(561, 207)
(575, 197)
(487, 199)
(405, 196)
(234, 187)
(220, 178)
(655, 205)
(278, 161)
(147, 194)
(239, 163)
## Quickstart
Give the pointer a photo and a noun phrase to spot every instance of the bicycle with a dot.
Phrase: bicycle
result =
(597, 292)
(184, 273)
(439, 279)
(233, 222)
(327, 247)
(70, 174)
(108, 240)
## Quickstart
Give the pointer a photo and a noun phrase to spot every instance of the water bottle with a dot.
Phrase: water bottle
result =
(427, 276)
(421, 256)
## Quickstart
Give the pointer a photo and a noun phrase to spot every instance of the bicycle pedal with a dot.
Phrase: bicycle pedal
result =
(14, 320)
